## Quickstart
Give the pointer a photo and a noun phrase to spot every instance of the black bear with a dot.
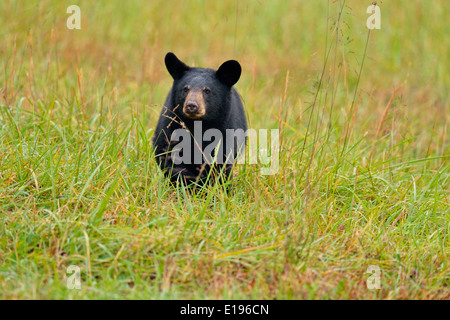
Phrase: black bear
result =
(206, 112)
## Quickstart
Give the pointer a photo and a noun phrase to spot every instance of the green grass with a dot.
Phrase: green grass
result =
(364, 156)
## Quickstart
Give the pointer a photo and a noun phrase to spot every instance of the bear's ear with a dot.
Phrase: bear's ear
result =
(229, 72)
(175, 66)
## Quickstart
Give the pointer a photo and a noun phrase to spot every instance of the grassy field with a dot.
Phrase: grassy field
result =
(363, 174)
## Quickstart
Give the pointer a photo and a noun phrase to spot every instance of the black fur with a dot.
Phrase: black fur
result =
(223, 110)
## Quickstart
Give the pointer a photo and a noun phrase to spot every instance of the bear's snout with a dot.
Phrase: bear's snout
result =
(194, 106)
(191, 107)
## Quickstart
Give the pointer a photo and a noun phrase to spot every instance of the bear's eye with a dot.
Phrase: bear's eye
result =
(206, 91)
(186, 89)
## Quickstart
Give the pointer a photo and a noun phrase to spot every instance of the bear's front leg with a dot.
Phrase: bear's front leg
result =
(164, 154)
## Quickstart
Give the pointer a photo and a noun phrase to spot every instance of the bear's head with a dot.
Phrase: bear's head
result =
(202, 93)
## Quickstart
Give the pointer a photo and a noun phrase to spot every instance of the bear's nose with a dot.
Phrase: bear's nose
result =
(192, 107)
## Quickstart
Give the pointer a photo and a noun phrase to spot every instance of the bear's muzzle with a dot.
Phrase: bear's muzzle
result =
(194, 105)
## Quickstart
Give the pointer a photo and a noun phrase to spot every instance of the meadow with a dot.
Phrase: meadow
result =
(363, 179)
